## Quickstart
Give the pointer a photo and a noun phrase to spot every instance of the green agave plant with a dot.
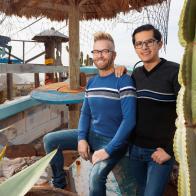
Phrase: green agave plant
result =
(2, 153)
(21, 183)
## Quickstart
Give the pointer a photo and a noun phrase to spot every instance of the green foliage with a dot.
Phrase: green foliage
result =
(21, 183)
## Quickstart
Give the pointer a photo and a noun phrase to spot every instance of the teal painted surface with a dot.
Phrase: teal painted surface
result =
(93, 69)
(55, 97)
(16, 106)
(89, 70)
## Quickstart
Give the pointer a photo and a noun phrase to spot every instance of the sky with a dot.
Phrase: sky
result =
(13, 27)
(126, 54)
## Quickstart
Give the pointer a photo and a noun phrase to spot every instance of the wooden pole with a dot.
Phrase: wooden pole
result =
(74, 63)
(23, 51)
(9, 86)
(49, 59)
(9, 79)
(74, 46)
(36, 80)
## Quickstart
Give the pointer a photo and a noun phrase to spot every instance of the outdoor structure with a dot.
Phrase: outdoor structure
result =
(76, 10)
(4, 43)
(73, 11)
(52, 40)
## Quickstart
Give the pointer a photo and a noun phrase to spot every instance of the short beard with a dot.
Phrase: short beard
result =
(108, 66)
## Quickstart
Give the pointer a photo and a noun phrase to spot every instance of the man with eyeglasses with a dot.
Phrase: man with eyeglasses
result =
(157, 86)
(106, 121)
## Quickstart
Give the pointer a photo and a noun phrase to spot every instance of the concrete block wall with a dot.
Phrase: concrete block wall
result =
(28, 125)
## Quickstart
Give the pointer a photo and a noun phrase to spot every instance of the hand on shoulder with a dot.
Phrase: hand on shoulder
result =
(120, 70)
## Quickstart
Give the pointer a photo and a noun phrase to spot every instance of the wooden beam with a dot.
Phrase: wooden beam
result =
(36, 56)
(31, 68)
(13, 56)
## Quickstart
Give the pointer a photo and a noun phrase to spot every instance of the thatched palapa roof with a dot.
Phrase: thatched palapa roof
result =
(59, 9)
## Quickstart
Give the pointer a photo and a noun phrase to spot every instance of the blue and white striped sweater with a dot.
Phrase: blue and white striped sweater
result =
(109, 109)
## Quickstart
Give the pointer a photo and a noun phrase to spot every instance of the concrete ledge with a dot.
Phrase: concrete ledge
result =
(13, 107)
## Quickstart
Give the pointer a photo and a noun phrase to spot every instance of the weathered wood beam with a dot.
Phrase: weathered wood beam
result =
(36, 56)
(13, 56)
(31, 68)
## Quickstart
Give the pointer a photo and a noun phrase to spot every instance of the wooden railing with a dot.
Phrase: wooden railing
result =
(9, 69)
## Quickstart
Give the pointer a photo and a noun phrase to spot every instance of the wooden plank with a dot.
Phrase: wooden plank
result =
(36, 56)
(13, 56)
(31, 68)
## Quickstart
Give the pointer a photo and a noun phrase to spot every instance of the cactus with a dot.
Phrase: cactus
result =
(81, 58)
(87, 60)
(185, 136)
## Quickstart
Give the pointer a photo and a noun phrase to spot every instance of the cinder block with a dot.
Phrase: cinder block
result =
(10, 132)
(37, 117)
(20, 126)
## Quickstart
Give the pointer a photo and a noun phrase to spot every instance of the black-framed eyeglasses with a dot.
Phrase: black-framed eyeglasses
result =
(147, 43)
(103, 52)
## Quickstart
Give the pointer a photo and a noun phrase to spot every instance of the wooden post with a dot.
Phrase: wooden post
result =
(9, 86)
(49, 59)
(58, 58)
(23, 51)
(36, 80)
(74, 62)
(9, 79)
(74, 46)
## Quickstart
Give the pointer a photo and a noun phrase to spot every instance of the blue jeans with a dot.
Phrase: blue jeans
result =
(151, 177)
(68, 140)
(63, 140)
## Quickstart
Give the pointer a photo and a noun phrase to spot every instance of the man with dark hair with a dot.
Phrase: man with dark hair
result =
(157, 86)
(106, 121)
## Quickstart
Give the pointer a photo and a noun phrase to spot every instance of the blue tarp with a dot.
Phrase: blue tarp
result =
(5, 60)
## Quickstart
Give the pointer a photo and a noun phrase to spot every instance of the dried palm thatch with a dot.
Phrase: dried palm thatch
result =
(59, 9)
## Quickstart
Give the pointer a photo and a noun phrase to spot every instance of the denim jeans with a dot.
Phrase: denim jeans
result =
(68, 140)
(63, 140)
(151, 177)
(100, 170)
